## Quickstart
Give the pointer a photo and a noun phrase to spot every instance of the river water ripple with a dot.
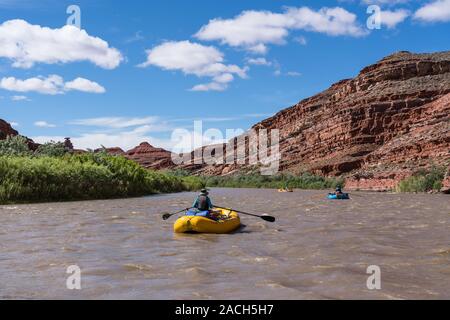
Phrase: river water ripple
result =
(317, 249)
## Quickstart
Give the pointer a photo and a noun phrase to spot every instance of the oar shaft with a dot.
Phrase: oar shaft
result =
(169, 215)
(172, 214)
(250, 214)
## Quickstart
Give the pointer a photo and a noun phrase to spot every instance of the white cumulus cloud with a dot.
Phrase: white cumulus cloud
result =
(392, 18)
(224, 78)
(259, 61)
(26, 44)
(51, 85)
(84, 85)
(254, 30)
(436, 11)
(211, 86)
(44, 124)
(194, 59)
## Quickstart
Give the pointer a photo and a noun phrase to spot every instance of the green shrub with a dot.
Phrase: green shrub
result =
(14, 146)
(193, 183)
(53, 174)
(423, 181)
(179, 173)
(80, 177)
(51, 149)
(304, 181)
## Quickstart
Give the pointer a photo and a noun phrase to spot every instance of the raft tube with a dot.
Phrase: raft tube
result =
(200, 223)
(344, 196)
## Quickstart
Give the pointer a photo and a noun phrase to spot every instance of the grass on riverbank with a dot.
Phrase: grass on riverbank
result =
(304, 181)
(81, 177)
(423, 181)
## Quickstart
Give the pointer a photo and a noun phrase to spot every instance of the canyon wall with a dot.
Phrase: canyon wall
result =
(375, 129)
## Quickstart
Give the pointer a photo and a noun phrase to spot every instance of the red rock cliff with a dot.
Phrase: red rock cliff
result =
(6, 130)
(151, 157)
(377, 128)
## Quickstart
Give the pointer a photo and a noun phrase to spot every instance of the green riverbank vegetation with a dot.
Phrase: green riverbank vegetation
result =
(304, 181)
(52, 173)
(424, 181)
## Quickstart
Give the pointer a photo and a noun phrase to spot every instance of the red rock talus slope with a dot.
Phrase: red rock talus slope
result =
(383, 122)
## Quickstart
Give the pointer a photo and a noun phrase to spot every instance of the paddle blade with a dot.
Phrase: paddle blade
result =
(166, 216)
(268, 218)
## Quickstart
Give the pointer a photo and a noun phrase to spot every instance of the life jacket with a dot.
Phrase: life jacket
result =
(203, 203)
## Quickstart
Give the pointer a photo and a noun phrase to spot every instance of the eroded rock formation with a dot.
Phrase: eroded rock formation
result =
(150, 157)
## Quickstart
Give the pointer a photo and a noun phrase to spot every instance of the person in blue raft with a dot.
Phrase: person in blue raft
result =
(202, 206)
(339, 195)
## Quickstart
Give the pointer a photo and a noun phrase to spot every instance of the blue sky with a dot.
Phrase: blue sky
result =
(140, 69)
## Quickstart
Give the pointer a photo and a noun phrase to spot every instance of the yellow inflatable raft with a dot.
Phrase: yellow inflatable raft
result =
(228, 222)
(285, 190)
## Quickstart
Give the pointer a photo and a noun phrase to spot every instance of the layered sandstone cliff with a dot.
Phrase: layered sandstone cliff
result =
(377, 128)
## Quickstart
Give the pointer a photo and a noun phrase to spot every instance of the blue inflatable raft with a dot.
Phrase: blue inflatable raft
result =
(344, 196)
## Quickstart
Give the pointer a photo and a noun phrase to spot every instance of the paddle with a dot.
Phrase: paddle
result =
(264, 217)
(167, 216)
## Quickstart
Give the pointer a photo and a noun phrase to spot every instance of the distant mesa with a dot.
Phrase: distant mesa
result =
(150, 157)
(144, 154)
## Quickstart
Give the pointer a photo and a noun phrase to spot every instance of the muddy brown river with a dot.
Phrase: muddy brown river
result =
(318, 249)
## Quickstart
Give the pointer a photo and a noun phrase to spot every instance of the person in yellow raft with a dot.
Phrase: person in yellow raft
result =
(204, 205)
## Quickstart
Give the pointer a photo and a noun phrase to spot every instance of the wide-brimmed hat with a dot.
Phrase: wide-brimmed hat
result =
(204, 191)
